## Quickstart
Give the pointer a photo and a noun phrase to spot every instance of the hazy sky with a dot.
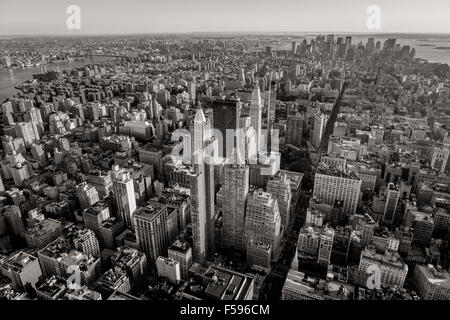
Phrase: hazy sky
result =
(148, 16)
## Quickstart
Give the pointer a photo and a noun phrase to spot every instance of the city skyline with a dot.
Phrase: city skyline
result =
(222, 166)
(49, 17)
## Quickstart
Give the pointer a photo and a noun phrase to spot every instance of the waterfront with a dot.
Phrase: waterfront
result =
(9, 78)
(432, 49)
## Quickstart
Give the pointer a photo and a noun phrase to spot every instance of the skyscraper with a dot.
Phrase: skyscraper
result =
(204, 148)
(348, 43)
(280, 188)
(392, 197)
(151, 230)
(198, 209)
(294, 47)
(234, 190)
(262, 219)
(320, 121)
(123, 188)
(256, 114)
(226, 116)
(294, 130)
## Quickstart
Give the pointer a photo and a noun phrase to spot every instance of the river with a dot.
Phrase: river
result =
(9, 78)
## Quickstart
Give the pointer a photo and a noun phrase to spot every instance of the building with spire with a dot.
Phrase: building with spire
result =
(256, 114)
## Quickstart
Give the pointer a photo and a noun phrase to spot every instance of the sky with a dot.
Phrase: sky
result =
(32, 17)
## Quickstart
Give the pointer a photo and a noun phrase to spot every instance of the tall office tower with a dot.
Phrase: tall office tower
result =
(392, 197)
(262, 219)
(294, 48)
(439, 158)
(101, 181)
(87, 195)
(192, 91)
(234, 190)
(325, 246)
(193, 178)
(199, 217)
(246, 140)
(151, 230)
(348, 43)
(123, 188)
(27, 131)
(320, 121)
(242, 76)
(280, 188)
(389, 44)
(294, 130)
(269, 101)
(370, 46)
(204, 148)
(256, 114)
(331, 185)
(226, 116)
(200, 131)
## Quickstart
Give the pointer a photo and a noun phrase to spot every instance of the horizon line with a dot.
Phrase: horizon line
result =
(27, 35)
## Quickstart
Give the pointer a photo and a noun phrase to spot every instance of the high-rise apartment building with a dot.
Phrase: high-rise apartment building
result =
(123, 188)
(331, 185)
